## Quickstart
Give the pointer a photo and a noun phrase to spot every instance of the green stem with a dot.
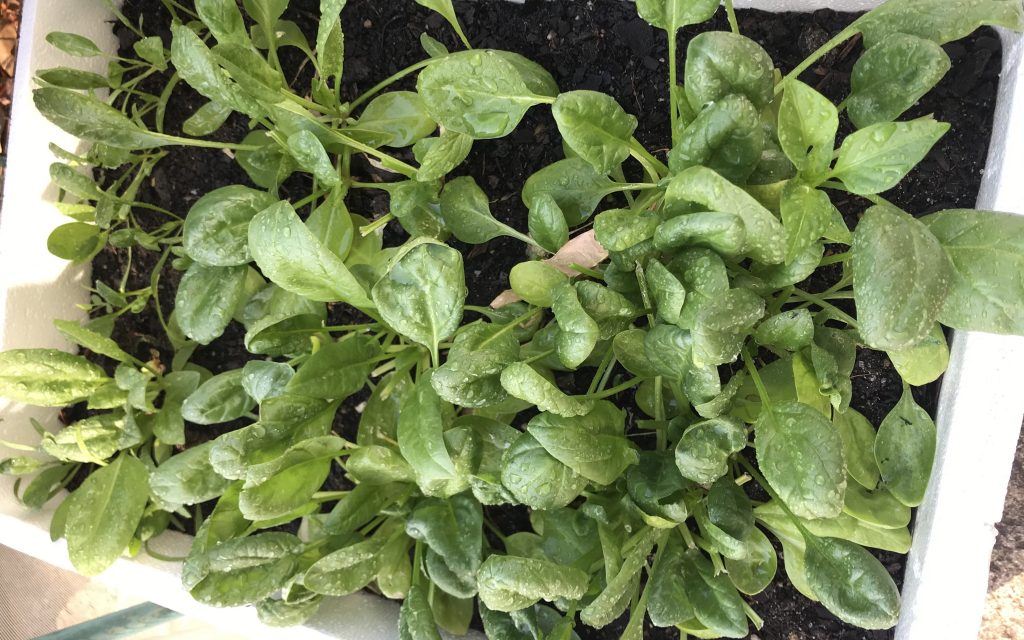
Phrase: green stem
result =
(874, 198)
(731, 14)
(383, 84)
(835, 258)
(839, 39)
(539, 356)
(840, 315)
(206, 144)
(673, 85)
(390, 163)
(762, 391)
(651, 164)
(628, 384)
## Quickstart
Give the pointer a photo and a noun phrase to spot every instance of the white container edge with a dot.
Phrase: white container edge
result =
(979, 413)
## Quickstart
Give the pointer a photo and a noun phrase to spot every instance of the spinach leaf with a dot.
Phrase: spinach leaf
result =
(939, 20)
(719, 63)
(337, 370)
(595, 126)
(220, 399)
(574, 184)
(420, 436)
(88, 118)
(48, 377)
(187, 478)
(471, 376)
(467, 212)
(808, 122)
(592, 445)
(905, 450)
(510, 583)
(578, 333)
(875, 158)
(723, 324)
(726, 136)
(524, 382)
(851, 583)
(453, 531)
(535, 478)
(216, 230)
(243, 570)
(702, 453)
(207, 298)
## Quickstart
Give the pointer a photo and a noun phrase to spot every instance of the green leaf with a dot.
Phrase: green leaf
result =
(522, 381)
(615, 597)
(223, 19)
(285, 484)
(905, 450)
(91, 340)
(925, 361)
(187, 477)
(207, 119)
(379, 421)
(216, 230)
(104, 514)
(986, 250)
(337, 370)
(422, 294)
(892, 76)
(808, 122)
(595, 126)
(672, 15)
(939, 20)
(719, 63)
(806, 216)
(667, 292)
(858, 437)
(265, 12)
(268, 165)
(875, 158)
(478, 93)
(73, 44)
(703, 274)
(396, 119)
(612, 311)
(95, 438)
(788, 330)
(48, 377)
(241, 571)
(415, 619)
(510, 583)
(346, 570)
(198, 67)
(207, 298)
(725, 233)
(727, 136)
(630, 352)
(471, 376)
(669, 351)
(466, 210)
(420, 437)
(311, 156)
(901, 276)
(414, 203)
(291, 257)
(593, 445)
(442, 154)
(578, 333)
(329, 28)
(88, 118)
(801, 456)
(765, 235)
(723, 324)
(220, 399)
(271, 317)
(535, 478)
(453, 530)
(667, 603)
(73, 79)
(852, 583)
(620, 229)
(702, 453)
(752, 573)
(716, 603)
(657, 489)
(547, 224)
(879, 508)
(574, 184)
(76, 241)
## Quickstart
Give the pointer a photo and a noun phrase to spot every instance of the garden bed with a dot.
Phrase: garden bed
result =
(599, 45)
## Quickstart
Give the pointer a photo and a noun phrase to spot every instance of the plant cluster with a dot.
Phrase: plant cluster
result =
(702, 265)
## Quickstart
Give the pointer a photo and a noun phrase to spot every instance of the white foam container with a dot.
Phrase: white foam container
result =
(979, 414)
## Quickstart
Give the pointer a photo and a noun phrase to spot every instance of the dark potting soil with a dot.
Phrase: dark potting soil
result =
(594, 44)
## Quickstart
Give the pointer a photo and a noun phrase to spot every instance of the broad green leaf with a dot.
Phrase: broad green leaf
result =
(207, 298)
(311, 156)
(593, 445)
(537, 479)
(536, 282)
(595, 126)
(48, 377)
(329, 32)
(672, 15)
(420, 436)
(727, 136)
(169, 424)
(415, 619)
(524, 382)
(332, 224)
(783, 275)
(725, 233)
(265, 12)
(752, 573)
(875, 158)
(291, 257)
(337, 370)
(224, 20)
(510, 583)
(703, 274)
(414, 204)
(90, 119)
(268, 165)
(207, 119)
(669, 351)
(442, 154)
(879, 508)
(765, 234)
(104, 513)
(91, 340)
(378, 423)
(667, 603)
(471, 375)
(547, 224)
(702, 453)
(939, 20)
(612, 311)
(76, 241)
(285, 484)
(615, 597)
(95, 438)
(575, 185)
(852, 583)
(220, 399)
(858, 437)
(453, 530)
(151, 49)
(723, 324)
(630, 352)
(801, 456)
(923, 362)
(198, 67)
(667, 292)
(892, 76)
(656, 487)
(422, 294)
(536, 77)
(806, 215)
(987, 252)
(719, 63)
(728, 518)
(788, 330)
(466, 211)
(905, 450)
(808, 122)
(620, 229)
(240, 571)
(73, 44)
(716, 603)
(901, 276)
(478, 93)
(73, 79)
(187, 477)
(395, 119)
(377, 465)
(346, 570)
(279, 322)
(578, 333)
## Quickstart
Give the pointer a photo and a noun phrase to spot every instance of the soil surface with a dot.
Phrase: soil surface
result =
(595, 44)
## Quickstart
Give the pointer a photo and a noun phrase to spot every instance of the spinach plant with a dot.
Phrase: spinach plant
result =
(689, 299)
